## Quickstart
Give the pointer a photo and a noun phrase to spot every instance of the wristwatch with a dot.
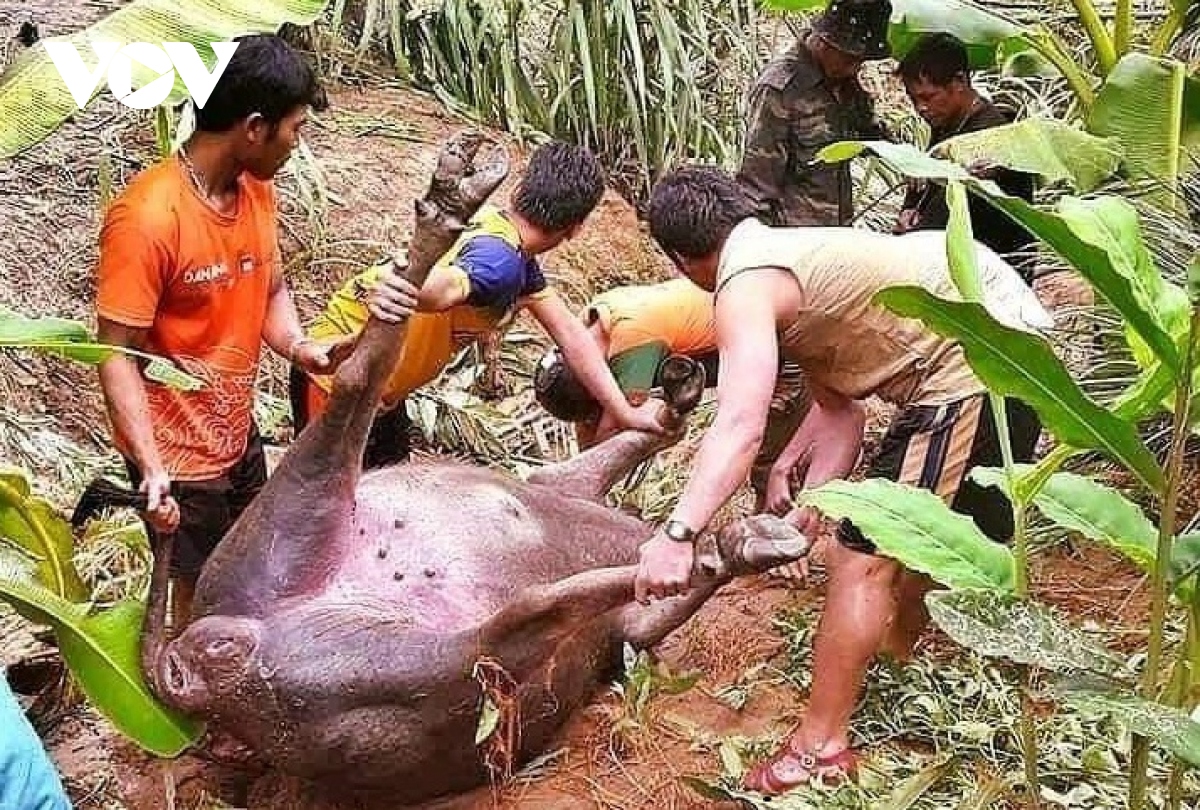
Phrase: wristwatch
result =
(679, 532)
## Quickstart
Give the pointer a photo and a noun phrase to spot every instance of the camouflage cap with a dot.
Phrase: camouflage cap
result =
(858, 27)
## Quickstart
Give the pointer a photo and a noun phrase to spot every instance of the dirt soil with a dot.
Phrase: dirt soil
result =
(375, 148)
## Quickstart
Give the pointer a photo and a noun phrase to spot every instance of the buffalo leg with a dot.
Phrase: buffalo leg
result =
(287, 539)
(591, 474)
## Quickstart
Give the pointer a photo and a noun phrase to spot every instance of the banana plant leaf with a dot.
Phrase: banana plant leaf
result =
(71, 339)
(1056, 151)
(981, 31)
(917, 528)
(31, 525)
(1077, 232)
(101, 649)
(1152, 107)
(34, 100)
(1016, 363)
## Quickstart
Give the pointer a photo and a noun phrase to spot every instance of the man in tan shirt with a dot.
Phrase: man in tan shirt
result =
(805, 294)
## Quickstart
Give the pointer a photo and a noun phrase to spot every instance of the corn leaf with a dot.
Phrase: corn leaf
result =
(34, 100)
(918, 529)
(102, 652)
(1002, 625)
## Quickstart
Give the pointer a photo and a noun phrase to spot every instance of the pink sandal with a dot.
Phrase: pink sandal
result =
(789, 768)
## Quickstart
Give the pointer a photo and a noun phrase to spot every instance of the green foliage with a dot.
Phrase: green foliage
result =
(1086, 506)
(1003, 625)
(34, 100)
(1149, 104)
(918, 529)
(643, 83)
(1016, 363)
(1167, 726)
(1058, 152)
(70, 339)
(981, 31)
(101, 648)
(1099, 237)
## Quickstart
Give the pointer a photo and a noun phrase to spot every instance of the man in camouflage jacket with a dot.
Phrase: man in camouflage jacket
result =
(804, 100)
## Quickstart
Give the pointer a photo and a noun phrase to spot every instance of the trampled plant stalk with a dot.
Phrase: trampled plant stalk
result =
(1140, 755)
(964, 270)
(1189, 659)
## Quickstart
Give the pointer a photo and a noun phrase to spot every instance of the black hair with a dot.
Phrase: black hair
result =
(937, 58)
(561, 186)
(265, 76)
(693, 210)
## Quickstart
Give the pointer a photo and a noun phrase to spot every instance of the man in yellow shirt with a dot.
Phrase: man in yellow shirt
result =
(475, 290)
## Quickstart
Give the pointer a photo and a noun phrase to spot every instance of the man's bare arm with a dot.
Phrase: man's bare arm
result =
(749, 352)
(587, 361)
(128, 411)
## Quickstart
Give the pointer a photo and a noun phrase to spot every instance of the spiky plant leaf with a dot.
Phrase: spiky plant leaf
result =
(1016, 363)
(917, 528)
(1000, 624)
(34, 100)
(1056, 151)
(71, 340)
(1167, 726)
(102, 651)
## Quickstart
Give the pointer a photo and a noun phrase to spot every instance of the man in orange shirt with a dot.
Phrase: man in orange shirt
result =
(190, 270)
(636, 328)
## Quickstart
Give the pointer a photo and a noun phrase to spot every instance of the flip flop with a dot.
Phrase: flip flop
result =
(789, 768)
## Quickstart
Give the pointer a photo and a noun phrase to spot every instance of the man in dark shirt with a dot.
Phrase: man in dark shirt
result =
(804, 100)
(936, 75)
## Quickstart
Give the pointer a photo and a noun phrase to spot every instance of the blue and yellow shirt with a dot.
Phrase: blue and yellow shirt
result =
(495, 275)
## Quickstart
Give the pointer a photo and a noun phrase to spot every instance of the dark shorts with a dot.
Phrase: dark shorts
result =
(639, 369)
(207, 509)
(934, 447)
(389, 441)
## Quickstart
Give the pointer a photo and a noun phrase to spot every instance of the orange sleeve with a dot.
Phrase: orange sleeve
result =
(135, 264)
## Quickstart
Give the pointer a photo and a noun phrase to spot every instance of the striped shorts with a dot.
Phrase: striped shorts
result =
(933, 447)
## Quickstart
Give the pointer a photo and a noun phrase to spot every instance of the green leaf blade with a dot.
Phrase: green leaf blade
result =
(34, 100)
(1097, 512)
(916, 528)
(1002, 625)
(103, 653)
(1016, 363)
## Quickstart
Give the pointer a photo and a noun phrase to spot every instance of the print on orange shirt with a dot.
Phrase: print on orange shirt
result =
(199, 281)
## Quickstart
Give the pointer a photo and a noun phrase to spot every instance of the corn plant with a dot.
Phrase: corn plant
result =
(987, 606)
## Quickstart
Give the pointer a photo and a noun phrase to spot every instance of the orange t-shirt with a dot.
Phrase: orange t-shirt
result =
(199, 281)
